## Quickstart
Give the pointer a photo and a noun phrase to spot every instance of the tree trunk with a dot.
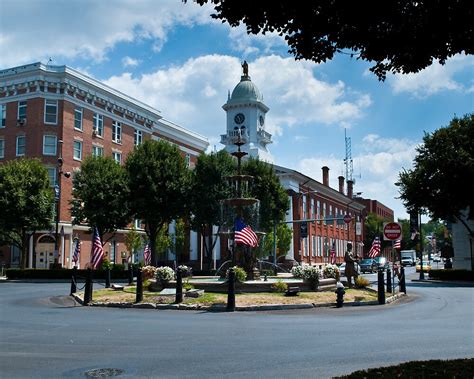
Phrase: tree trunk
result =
(23, 249)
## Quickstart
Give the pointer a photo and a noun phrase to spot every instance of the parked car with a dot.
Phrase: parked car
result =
(368, 265)
(382, 263)
(407, 261)
(342, 269)
(426, 266)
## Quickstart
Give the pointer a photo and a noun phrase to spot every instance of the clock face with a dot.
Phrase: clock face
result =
(261, 120)
(239, 118)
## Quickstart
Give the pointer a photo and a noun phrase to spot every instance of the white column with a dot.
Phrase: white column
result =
(289, 216)
(193, 245)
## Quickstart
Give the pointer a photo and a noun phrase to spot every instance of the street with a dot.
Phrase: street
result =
(43, 334)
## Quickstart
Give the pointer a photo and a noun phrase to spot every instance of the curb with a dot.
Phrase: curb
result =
(248, 308)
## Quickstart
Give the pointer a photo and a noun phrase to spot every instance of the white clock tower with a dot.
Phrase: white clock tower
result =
(246, 115)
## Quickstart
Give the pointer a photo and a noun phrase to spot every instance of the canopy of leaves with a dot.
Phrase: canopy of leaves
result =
(284, 236)
(159, 183)
(374, 228)
(209, 186)
(441, 180)
(398, 36)
(266, 187)
(100, 195)
(26, 199)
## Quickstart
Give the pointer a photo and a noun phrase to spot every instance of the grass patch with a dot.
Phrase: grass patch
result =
(128, 295)
(456, 368)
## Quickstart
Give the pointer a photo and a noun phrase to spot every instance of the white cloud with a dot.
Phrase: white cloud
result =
(130, 62)
(435, 78)
(295, 96)
(383, 160)
(88, 28)
(249, 44)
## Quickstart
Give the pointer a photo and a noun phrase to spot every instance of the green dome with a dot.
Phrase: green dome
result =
(245, 90)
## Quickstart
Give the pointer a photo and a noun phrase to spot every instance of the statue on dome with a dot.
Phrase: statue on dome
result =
(245, 67)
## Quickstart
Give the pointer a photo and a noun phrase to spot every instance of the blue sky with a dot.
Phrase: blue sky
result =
(174, 57)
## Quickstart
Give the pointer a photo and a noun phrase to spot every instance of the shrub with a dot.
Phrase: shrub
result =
(164, 274)
(280, 286)
(187, 286)
(452, 274)
(146, 284)
(240, 274)
(361, 282)
(297, 272)
(267, 272)
(148, 272)
(105, 264)
(331, 271)
(185, 271)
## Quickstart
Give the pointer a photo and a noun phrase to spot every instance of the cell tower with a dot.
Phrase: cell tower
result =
(348, 160)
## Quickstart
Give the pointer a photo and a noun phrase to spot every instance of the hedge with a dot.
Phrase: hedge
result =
(450, 274)
(16, 273)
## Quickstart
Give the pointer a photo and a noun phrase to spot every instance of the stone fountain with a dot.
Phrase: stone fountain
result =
(241, 205)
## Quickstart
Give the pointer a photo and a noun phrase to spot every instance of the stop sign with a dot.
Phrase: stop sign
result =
(347, 219)
(392, 231)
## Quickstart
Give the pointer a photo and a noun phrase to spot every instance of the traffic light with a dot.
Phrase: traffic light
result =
(304, 230)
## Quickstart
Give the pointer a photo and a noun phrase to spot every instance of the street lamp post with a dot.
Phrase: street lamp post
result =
(57, 198)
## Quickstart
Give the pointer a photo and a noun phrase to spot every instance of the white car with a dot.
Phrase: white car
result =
(342, 269)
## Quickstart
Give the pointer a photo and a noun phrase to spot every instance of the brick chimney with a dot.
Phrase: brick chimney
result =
(341, 184)
(325, 175)
(350, 184)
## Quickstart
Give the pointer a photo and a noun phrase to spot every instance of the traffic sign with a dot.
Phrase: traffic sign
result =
(392, 231)
(347, 219)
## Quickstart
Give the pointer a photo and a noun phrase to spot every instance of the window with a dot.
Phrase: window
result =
(304, 207)
(77, 150)
(113, 248)
(52, 176)
(117, 132)
(50, 112)
(2, 148)
(49, 145)
(99, 124)
(78, 118)
(318, 209)
(117, 157)
(187, 160)
(313, 246)
(97, 151)
(324, 213)
(3, 114)
(20, 145)
(21, 109)
(138, 137)
(312, 215)
(331, 219)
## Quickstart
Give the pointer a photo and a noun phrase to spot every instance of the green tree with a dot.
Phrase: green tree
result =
(209, 186)
(159, 185)
(133, 242)
(100, 195)
(266, 187)
(283, 243)
(163, 242)
(398, 36)
(440, 182)
(374, 228)
(26, 203)
(178, 239)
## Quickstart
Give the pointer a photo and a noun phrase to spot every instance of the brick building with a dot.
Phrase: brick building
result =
(53, 111)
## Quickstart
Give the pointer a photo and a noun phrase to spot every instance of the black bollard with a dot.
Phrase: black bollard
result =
(179, 286)
(231, 291)
(74, 280)
(389, 280)
(130, 274)
(107, 277)
(88, 287)
(380, 287)
(403, 286)
(139, 286)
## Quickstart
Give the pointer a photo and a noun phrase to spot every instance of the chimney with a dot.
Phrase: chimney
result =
(341, 184)
(325, 175)
(350, 183)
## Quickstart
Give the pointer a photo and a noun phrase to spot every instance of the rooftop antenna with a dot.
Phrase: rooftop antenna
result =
(348, 159)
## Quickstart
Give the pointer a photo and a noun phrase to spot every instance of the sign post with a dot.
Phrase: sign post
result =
(347, 218)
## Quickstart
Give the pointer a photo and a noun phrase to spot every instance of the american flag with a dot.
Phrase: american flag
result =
(398, 244)
(375, 249)
(97, 250)
(333, 254)
(147, 254)
(77, 252)
(244, 234)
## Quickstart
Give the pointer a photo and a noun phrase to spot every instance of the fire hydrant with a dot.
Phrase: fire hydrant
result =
(340, 294)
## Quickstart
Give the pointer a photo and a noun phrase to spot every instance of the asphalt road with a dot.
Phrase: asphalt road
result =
(44, 334)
